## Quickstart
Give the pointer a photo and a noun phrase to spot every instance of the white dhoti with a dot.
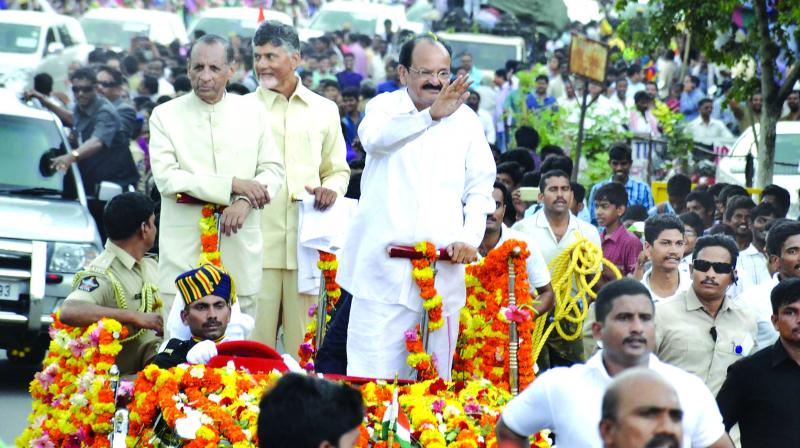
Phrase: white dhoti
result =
(376, 345)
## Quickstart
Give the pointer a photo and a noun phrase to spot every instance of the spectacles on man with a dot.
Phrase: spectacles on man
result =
(719, 267)
(82, 89)
(441, 75)
(107, 84)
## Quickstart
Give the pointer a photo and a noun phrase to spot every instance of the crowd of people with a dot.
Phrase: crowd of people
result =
(710, 298)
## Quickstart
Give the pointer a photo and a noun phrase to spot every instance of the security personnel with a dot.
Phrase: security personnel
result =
(207, 293)
(120, 283)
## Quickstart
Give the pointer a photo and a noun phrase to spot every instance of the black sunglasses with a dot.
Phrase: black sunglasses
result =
(107, 84)
(719, 267)
(79, 89)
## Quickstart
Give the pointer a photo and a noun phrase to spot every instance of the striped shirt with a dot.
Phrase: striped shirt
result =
(638, 194)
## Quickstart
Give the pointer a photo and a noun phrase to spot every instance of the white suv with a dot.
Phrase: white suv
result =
(34, 42)
(46, 232)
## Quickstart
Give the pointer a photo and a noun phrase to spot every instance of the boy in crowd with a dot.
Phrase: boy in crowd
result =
(619, 245)
(752, 262)
(664, 244)
(678, 188)
(702, 203)
(778, 197)
(737, 216)
(693, 228)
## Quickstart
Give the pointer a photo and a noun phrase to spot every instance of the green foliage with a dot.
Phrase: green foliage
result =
(597, 170)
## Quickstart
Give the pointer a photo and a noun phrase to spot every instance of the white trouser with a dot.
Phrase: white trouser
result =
(376, 345)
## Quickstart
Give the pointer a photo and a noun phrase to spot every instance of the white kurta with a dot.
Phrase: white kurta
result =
(424, 180)
(198, 148)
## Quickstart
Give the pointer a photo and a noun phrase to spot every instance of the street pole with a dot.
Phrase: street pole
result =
(578, 146)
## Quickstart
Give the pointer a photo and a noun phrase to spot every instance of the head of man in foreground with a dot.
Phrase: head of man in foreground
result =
(641, 410)
(307, 412)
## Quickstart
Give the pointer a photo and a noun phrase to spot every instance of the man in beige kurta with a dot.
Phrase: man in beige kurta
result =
(307, 130)
(215, 148)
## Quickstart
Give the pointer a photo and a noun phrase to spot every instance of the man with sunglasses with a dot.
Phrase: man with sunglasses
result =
(701, 330)
(109, 84)
(429, 177)
(102, 150)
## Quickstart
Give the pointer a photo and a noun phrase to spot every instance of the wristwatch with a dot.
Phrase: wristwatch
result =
(75, 154)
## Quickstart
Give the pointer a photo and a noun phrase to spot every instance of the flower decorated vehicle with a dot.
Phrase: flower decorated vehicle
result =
(79, 402)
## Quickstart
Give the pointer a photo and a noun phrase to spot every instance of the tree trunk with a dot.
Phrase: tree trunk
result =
(769, 94)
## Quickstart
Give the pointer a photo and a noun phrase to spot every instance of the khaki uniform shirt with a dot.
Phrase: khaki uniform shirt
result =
(684, 337)
(308, 132)
(95, 285)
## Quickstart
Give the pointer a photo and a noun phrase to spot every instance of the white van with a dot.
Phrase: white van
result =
(359, 17)
(488, 52)
(34, 42)
(240, 21)
(113, 28)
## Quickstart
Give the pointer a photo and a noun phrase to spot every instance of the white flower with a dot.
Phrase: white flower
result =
(79, 400)
(442, 428)
(215, 398)
(247, 434)
(451, 411)
(115, 334)
(197, 372)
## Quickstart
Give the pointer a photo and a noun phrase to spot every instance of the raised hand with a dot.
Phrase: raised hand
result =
(450, 98)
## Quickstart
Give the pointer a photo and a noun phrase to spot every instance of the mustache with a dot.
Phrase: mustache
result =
(709, 281)
(663, 440)
(427, 86)
(641, 339)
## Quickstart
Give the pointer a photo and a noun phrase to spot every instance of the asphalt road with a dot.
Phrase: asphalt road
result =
(15, 401)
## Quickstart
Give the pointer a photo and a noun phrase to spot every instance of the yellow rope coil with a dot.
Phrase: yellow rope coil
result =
(578, 268)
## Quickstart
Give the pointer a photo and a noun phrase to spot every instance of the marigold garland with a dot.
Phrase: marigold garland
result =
(328, 265)
(483, 350)
(424, 277)
(72, 399)
(209, 236)
(418, 358)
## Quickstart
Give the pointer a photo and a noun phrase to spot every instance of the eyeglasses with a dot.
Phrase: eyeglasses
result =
(719, 268)
(85, 89)
(442, 75)
(107, 84)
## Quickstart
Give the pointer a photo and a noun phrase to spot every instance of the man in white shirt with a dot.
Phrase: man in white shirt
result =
(554, 229)
(487, 123)
(497, 233)
(663, 246)
(751, 266)
(428, 177)
(705, 129)
(568, 400)
(783, 246)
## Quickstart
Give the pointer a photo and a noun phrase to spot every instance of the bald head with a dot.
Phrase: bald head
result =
(641, 410)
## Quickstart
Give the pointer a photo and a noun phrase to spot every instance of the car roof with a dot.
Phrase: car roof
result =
(31, 17)
(376, 8)
(245, 13)
(126, 14)
(745, 141)
(482, 38)
(11, 105)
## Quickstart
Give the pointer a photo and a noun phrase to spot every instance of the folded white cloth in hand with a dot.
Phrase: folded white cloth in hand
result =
(292, 364)
(318, 230)
(202, 352)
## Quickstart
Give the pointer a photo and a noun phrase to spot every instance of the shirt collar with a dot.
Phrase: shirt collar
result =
(406, 103)
(693, 303)
(121, 254)
(616, 235)
(596, 363)
(749, 250)
(300, 91)
(205, 107)
(541, 220)
(92, 109)
(779, 355)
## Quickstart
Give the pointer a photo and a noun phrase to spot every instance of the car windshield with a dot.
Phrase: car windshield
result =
(16, 38)
(28, 145)
(485, 56)
(787, 153)
(112, 33)
(358, 22)
(224, 27)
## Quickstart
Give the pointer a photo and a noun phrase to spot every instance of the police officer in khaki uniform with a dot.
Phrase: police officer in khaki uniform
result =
(120, 283)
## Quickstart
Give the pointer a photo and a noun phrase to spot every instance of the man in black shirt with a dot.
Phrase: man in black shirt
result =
(762, 392)
(102, 151)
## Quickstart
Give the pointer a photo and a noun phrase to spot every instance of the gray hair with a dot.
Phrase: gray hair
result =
(278, 35)
(215, 39)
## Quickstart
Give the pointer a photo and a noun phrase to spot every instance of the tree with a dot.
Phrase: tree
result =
(762, 40)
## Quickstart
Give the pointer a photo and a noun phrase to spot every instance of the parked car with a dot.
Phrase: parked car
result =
(241, 21)
(787, 160)
(47, 233)
(359, 17)
(34, 42)
(488, 52)
(114, 28)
